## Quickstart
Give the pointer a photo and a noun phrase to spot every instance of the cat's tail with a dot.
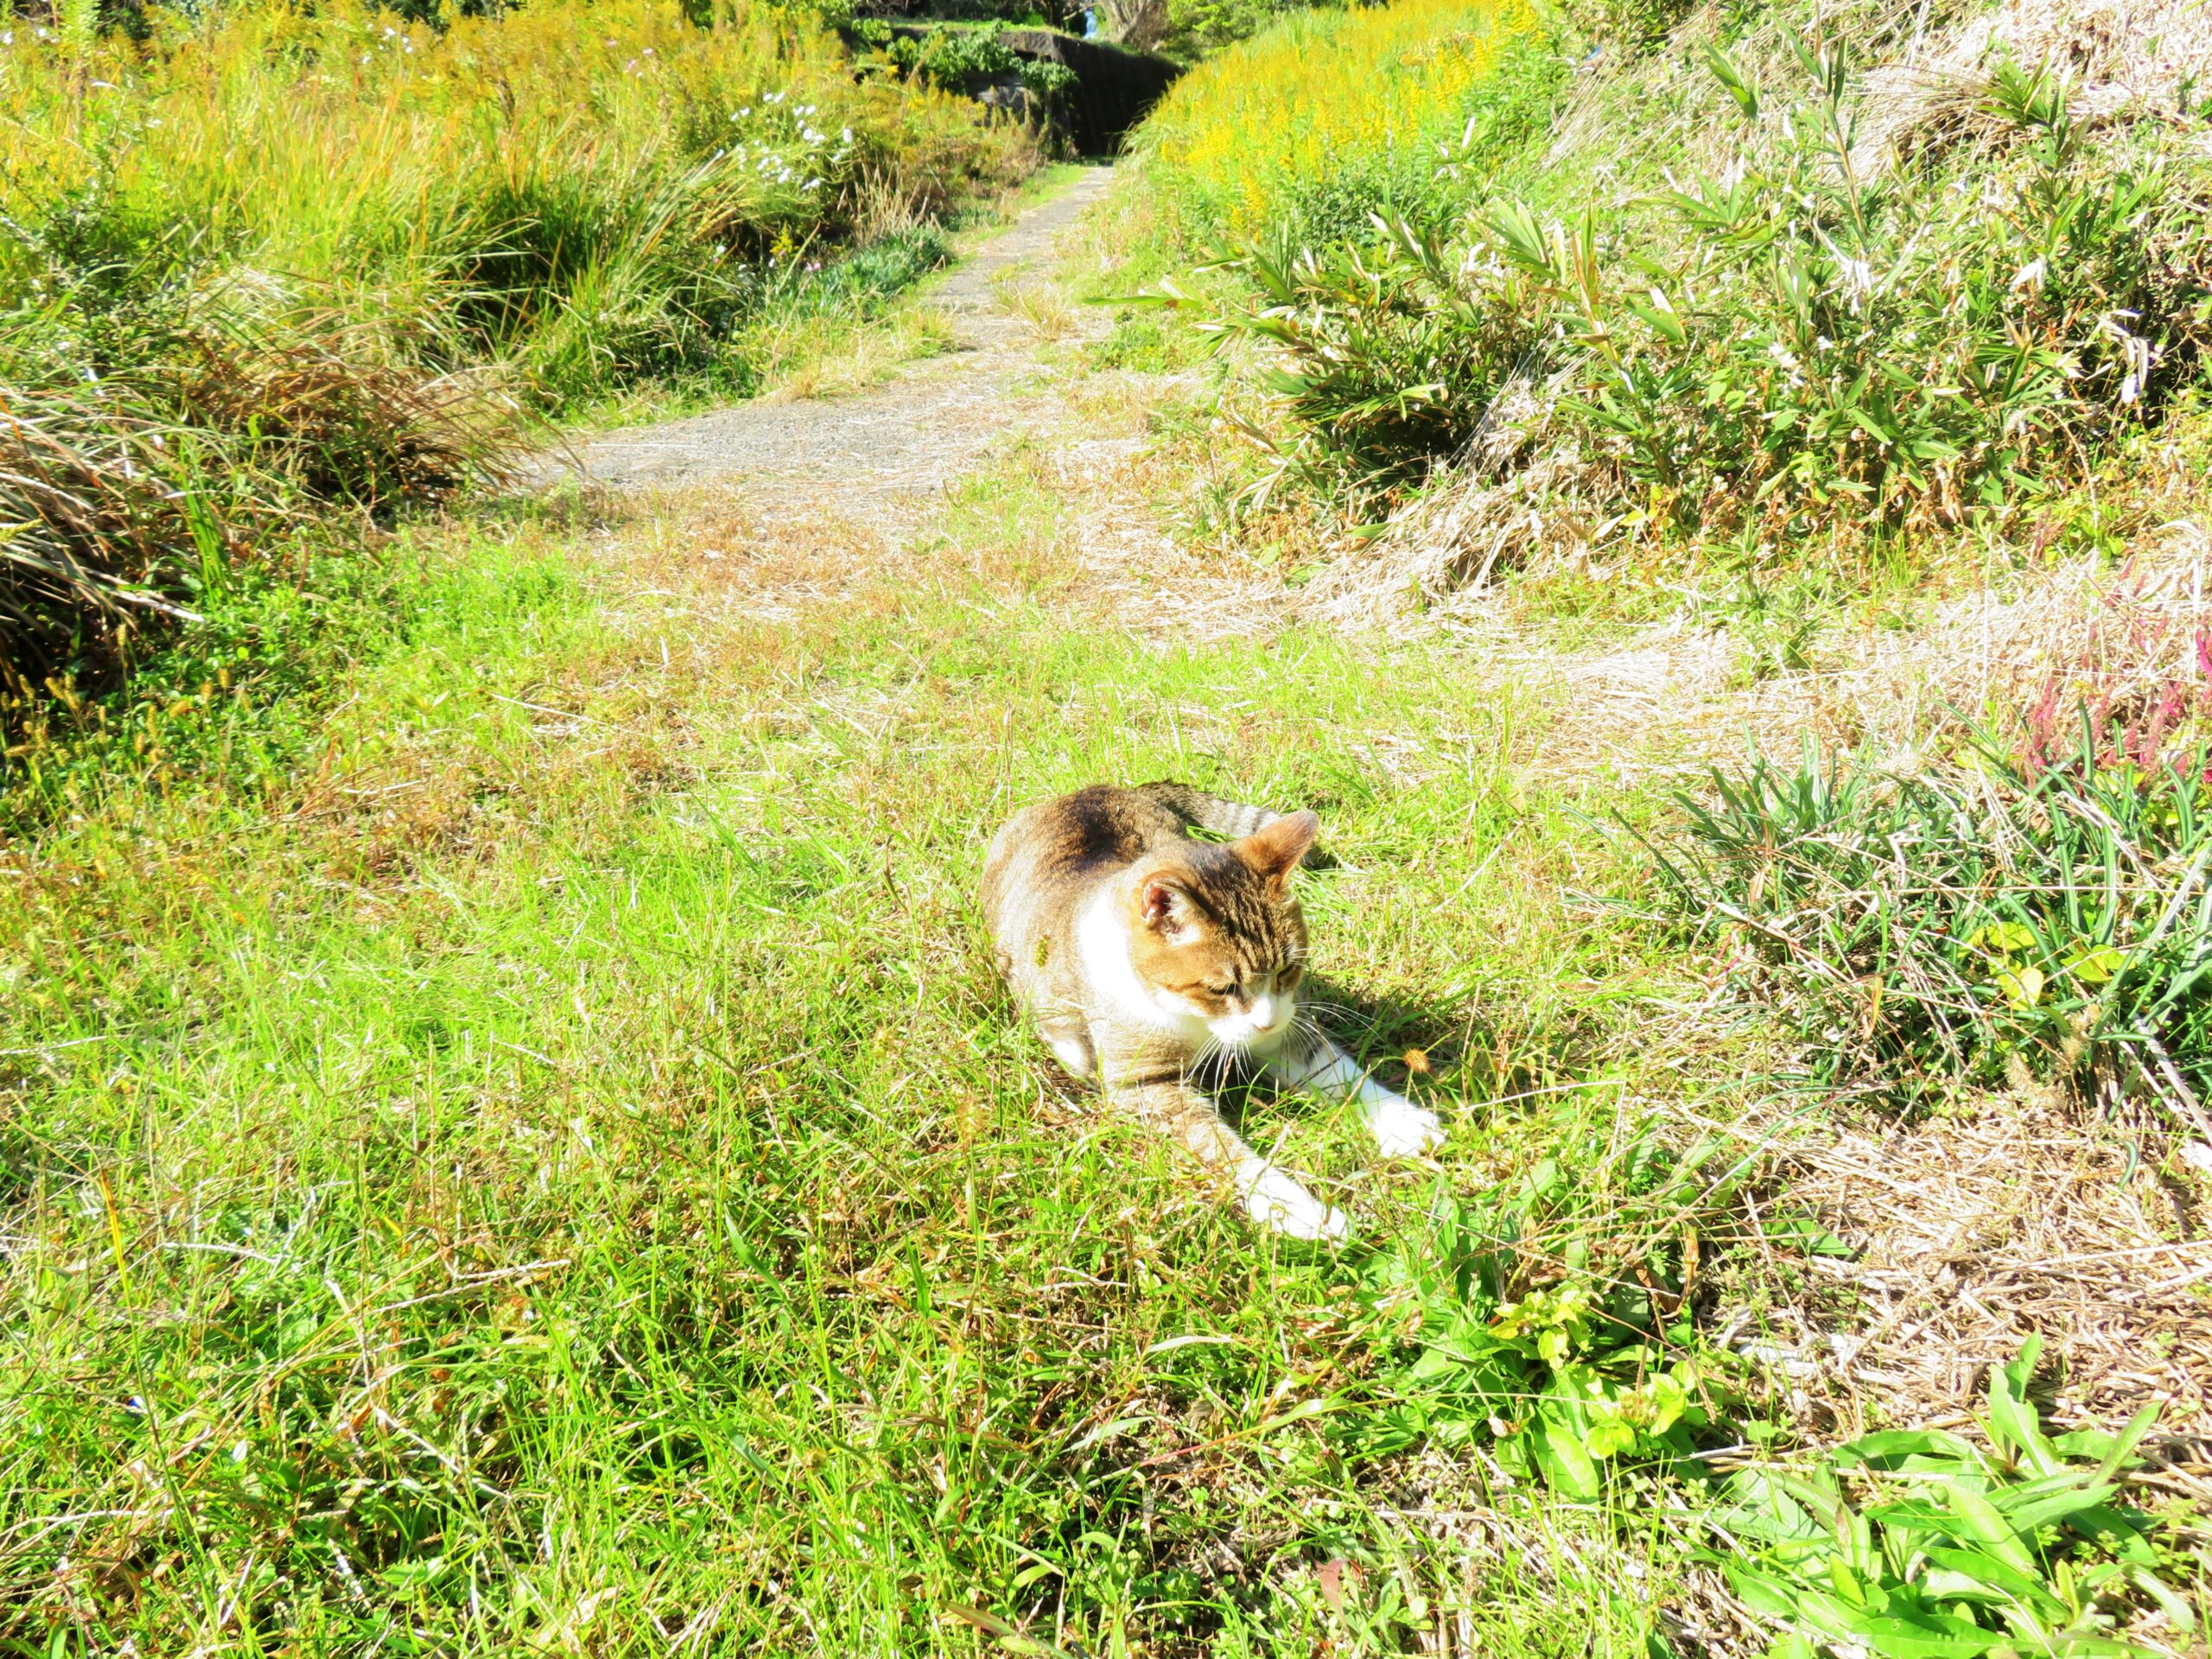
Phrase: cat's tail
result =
(1210, 811)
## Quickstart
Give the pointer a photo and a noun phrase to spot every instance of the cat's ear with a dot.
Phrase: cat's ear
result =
(1164, 906)
(1274, 853)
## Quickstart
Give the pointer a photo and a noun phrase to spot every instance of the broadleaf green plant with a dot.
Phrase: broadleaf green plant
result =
(1557, 1379)
(1920, 1544)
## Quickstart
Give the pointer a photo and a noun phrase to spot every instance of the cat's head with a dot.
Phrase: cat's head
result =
(1215, 935)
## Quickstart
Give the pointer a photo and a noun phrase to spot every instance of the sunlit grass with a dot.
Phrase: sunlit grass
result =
(569, 1166)
(1323, 112)
(307, 254)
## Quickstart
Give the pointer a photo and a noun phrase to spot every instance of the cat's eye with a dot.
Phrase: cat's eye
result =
(1228, 988)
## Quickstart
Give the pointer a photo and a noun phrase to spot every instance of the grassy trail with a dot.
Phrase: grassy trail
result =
(566, 1175)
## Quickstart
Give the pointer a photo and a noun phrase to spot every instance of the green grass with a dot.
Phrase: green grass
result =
(558, 1167)
(267, 262)
(545, 1160)
(510, 1139)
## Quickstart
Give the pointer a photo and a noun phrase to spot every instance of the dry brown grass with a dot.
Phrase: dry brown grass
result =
(111, 508)
(2031, 1214)
(2121, 58)
(2111, 629)
(1516, 501)
(320, 408)
(90, 527)
(1042, 306)
(725, 551)
(2087, 631)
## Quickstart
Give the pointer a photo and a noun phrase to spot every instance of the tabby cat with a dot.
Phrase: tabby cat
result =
(1143, 953)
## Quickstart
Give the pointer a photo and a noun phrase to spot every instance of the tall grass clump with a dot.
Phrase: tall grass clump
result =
(2038, 904)
(588, 193)
(273, 258)
(1327, 117)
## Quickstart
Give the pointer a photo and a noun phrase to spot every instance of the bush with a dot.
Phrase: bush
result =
(1329, 117)
(2045, 905)
(964, 58)
(1189, 31)
(1800, 339)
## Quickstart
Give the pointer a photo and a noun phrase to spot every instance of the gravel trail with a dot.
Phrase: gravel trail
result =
(880, 450)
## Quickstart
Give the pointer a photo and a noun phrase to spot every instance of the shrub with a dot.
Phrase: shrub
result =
(1799, 339)
(964, 58)
(1891, 348)
(2045, 905)
(1191, 30)
(1381, 357)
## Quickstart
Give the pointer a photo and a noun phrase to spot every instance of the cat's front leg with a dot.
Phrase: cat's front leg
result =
(1272, 1197)
(1402, 1129)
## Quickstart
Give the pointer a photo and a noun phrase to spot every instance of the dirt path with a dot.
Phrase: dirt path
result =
(825, 492)
(841, 487)
(882, 451)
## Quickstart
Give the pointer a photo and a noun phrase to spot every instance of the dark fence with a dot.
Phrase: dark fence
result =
(1113, 88)
(1110, 88)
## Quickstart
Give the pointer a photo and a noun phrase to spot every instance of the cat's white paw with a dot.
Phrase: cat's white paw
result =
(1073, 1053)
(1402, 1130)
(1276, 1200)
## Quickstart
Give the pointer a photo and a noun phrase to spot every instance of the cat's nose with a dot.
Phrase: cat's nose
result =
(1264, 1012)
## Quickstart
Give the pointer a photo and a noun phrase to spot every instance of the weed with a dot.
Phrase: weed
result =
(1956, 1551)
(1042, 306)
(1328, 116)
(1799, 342)
(1914, 927)
(1562, 1351)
